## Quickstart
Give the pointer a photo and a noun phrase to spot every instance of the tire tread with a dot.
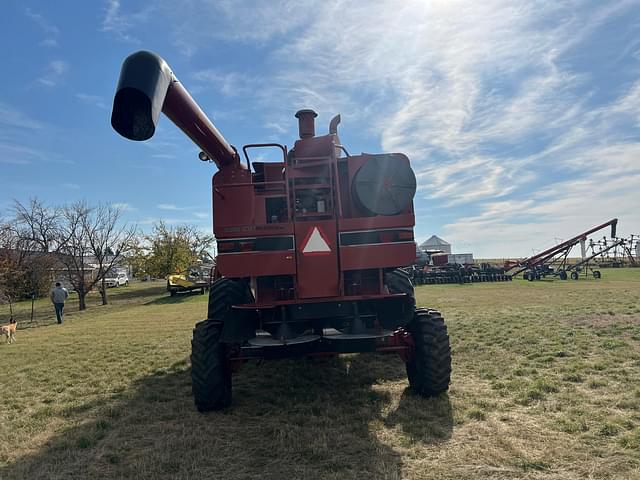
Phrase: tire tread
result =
(429, 371)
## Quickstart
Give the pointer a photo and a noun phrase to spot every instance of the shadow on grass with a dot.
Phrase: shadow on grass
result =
(177, 298)
(117, 294)
(289, 419)
(426, 420)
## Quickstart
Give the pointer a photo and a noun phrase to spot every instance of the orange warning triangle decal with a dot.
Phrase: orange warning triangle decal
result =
(316, 243)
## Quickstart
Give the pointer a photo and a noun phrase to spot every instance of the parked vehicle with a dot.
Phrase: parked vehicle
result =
(116, 279)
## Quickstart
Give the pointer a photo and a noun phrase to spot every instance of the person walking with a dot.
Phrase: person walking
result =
(58, 296)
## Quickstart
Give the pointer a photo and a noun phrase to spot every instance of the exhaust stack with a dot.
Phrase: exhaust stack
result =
(306, 123)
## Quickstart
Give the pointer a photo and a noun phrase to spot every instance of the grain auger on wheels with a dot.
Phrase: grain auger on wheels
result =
(309, 247)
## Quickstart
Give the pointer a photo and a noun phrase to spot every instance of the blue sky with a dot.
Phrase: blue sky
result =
(522, 119)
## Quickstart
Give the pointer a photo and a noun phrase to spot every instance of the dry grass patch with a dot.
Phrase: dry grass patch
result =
(545, 386)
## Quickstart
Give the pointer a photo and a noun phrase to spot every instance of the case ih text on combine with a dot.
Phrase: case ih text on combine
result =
(309, 248)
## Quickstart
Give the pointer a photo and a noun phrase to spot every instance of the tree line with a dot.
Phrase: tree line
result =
(82, 243)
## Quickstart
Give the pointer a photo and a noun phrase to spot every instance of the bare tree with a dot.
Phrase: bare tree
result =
(36, 230)
(76, 236)
(94, 237)
(38, 224)
(11, 271)
(109, 240)
(76, 249)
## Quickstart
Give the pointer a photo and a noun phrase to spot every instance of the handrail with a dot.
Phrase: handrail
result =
(262, 145)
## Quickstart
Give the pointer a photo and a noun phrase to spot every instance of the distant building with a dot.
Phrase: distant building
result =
(435, 243)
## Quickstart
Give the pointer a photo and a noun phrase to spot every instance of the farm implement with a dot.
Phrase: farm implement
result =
(194, 278)
(615, 253)
(455, 273)
(553, 262)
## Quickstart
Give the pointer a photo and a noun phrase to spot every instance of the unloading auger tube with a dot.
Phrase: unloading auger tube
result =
(146, 87)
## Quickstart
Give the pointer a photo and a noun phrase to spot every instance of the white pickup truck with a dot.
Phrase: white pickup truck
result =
(116, 279)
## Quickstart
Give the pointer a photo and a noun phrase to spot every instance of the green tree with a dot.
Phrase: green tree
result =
(138, 257)
(173, 249)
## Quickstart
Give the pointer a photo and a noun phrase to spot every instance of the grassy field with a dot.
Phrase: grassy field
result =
(546, 384)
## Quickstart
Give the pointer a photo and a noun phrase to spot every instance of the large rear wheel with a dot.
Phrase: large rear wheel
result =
(399, 281)
(429, 370)
(210, 369)
(224, 293)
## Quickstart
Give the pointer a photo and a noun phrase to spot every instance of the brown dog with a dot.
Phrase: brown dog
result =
(9, 331)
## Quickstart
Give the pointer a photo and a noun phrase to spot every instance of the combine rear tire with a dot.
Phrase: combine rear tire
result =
(429, 371)
(224, 293)
(398, 281)
(210, 370)
(597, 274)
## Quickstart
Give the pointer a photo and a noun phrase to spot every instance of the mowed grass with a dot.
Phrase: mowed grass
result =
(546, 384)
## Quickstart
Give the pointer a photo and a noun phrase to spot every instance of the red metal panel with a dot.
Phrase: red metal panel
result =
(256, 264)
(233, 207)
(377, 222)
(314, 147)
(317, 267)
(384, 255)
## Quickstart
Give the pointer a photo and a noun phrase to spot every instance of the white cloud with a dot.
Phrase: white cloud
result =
(94, 100)
(124, 207)
(230, 84)
(279, 128)
(194, 211)
(120, 24)
(173, 207)
(54, 73)
(460, 87)
(563, 208)
(14, 161)
(51, 31)
(71, 186)
(168, 221)
(195, 24)
(10, 117)
(11, 153)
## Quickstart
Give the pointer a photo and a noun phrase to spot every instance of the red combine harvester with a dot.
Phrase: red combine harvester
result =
(309, 247)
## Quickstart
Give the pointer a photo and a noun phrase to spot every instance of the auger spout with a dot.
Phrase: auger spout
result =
(147, 86)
